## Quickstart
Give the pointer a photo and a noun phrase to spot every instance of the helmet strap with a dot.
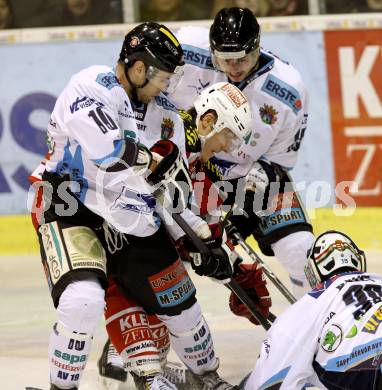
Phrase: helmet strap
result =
(134, 85)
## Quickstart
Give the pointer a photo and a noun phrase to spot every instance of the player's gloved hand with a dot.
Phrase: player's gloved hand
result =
(257, 179)
(217, 264)
(252, 280)
(169, 172)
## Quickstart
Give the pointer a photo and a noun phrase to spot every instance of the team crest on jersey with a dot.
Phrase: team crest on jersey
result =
(167, 127)
(268, 114)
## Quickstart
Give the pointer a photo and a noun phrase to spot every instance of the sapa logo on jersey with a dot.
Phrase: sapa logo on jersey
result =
(354, 61)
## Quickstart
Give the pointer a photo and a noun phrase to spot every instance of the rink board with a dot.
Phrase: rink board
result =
(17, 235)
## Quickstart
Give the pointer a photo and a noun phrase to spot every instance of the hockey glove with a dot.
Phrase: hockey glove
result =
(252, 280)
(216, 264)
(170, 174)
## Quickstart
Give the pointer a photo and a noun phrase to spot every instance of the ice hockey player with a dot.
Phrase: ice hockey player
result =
(223, 117)
(331, 338)
(95, 213)
(279, 100)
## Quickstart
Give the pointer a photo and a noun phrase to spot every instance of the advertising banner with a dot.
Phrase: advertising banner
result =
(354, 63)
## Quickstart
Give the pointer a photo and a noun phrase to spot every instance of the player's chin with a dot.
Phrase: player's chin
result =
(236, 78)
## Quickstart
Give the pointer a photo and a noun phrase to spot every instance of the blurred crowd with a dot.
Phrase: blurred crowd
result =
(48, 13)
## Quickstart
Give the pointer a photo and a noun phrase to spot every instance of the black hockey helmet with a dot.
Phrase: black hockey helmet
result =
(155, 45)
(235, 30)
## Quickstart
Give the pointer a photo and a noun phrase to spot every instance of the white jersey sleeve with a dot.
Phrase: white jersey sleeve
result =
(93, 124)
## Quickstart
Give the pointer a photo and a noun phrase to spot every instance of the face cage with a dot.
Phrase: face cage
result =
(235, 56)
(164, 81)
(235, 141)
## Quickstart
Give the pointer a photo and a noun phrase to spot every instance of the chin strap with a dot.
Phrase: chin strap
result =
(134, 86)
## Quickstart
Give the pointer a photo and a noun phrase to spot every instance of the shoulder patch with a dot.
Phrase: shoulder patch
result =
(196, 56)
(283, 92)
(107, 80)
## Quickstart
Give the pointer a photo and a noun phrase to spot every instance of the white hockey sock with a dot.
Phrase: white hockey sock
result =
(68, 353)
(191, 339)
(291, 251)
(79, 311)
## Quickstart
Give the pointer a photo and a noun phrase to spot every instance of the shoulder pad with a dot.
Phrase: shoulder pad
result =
(196, 56)
(163, 101)
(283, 92)
(107, 80)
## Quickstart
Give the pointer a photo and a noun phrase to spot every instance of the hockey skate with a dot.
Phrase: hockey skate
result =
(110, 364)
(155, 381)
(212, 381)
(182, 377)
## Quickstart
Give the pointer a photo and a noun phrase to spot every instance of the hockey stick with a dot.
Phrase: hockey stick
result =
(232, 284)
(256, 258)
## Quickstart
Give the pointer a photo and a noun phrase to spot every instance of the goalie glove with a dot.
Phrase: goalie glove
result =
(170, 175)
(216, 264)
(252, 280)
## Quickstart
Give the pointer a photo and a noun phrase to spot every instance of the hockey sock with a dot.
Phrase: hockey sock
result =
(191, 339)
(291, 252)
(79, 311)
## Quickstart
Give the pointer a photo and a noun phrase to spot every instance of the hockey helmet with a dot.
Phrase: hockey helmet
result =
(156, 46)
(333, 252)
(234, 34)
(232, 109)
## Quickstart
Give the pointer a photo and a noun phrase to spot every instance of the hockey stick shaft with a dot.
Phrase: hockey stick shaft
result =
(232, 284)
(268, 272)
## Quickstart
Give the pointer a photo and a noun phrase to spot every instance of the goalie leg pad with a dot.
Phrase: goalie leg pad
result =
(291, 252)
(128, 328)
(191, 339)
(70, 253)
(80, 308)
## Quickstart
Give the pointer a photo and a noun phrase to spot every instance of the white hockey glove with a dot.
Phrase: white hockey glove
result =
(257, 179)
(170, 175)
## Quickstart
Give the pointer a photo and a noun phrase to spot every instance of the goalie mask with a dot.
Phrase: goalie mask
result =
(332, 253)
(231, 108)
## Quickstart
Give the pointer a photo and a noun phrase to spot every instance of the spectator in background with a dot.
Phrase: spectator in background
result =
(258, 7)
(352, 6)
(287, 7)
(265, 7)
(6, 15)
(171, 10)
(78, 13)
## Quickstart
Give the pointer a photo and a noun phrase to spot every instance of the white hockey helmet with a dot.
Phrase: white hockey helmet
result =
(333, 252)
(232, 109)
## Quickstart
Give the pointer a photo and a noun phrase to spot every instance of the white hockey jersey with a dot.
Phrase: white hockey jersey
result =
(278, 97)
(332, 332)
(160, 120)
(89, 126)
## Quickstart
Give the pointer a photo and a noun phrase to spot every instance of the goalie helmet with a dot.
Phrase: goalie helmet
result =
(155, 45)
(232, 109)
(235, 30)
(333, 252)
